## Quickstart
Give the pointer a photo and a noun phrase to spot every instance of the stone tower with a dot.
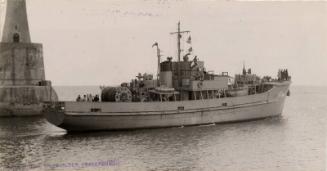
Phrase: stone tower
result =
(23, 87)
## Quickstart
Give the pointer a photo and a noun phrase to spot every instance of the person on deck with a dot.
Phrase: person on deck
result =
(84, 98)
(79, 98)
(96, 98)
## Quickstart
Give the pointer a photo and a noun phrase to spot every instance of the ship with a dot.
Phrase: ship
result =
(182, 93)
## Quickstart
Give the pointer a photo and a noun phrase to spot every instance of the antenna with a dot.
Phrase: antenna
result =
(244, 70)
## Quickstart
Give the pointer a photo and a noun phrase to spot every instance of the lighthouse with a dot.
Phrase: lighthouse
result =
(23, 86)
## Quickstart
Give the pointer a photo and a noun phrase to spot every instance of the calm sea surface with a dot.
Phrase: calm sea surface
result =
(295, 141)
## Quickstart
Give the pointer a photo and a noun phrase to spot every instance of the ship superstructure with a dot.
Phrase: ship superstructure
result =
(184, 79)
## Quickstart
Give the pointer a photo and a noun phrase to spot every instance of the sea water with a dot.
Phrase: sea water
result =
(294, 141)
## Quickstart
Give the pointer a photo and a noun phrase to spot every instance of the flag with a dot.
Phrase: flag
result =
(189, 40)
(155, 44)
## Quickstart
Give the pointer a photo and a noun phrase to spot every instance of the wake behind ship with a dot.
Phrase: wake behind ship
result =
(182, 93)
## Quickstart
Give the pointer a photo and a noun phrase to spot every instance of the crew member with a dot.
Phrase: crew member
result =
(79, 98)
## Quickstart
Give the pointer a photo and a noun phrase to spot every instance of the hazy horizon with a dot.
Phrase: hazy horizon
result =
(100, 42)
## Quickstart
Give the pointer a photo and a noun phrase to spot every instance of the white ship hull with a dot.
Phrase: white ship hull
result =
(87, 116)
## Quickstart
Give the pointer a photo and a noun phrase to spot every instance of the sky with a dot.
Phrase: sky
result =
(102, 42)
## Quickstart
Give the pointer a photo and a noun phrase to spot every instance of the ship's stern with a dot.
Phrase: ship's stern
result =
(54, 112)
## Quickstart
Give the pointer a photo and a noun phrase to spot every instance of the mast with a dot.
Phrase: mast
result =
(159, 61)
(158, 72)
(179, 36)
(179, 50)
